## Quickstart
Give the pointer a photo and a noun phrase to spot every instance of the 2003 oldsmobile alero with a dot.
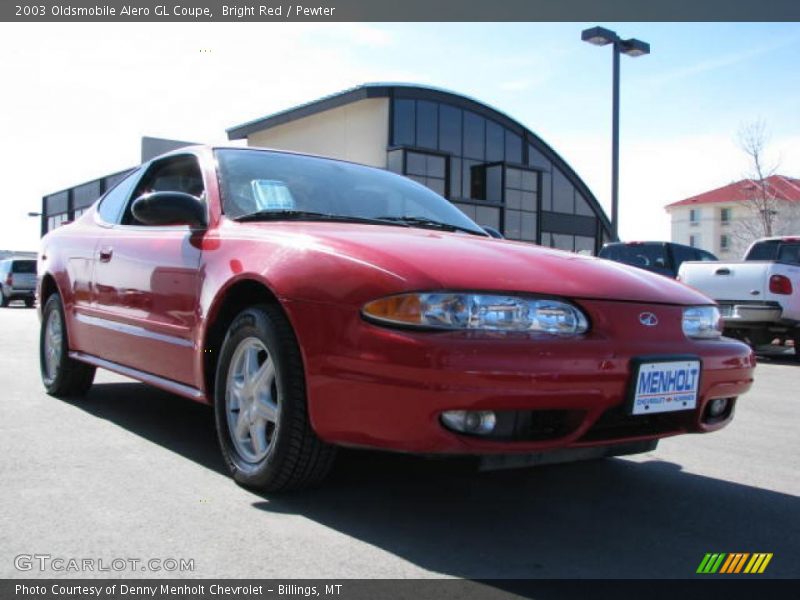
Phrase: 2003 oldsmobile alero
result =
(317, 303)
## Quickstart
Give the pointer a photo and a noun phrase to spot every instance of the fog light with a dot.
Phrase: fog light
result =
(476, 422)
(717, 407)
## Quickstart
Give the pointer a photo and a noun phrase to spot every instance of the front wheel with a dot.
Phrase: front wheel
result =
(3, 299)
(260, 406)
(61, 375)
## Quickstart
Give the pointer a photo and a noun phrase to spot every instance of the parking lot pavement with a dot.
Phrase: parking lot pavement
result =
(132, 472)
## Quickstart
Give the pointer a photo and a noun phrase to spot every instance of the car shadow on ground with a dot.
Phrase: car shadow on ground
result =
(605, 518)
(777, 354)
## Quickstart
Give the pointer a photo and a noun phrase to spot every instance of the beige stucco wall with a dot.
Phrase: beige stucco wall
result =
(707, 229)
(358, 132)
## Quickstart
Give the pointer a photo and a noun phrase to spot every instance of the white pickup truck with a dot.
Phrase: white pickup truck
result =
(759, 298)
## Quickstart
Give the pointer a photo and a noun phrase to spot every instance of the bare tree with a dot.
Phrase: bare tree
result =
(761, 207)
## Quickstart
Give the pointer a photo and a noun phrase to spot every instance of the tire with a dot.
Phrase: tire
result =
(796, 340)
(29, 302)
(62, 376)
(3, 300)
(262, 422)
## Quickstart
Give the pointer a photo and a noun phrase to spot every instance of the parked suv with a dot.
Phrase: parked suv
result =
(17, 281)
(664, 258)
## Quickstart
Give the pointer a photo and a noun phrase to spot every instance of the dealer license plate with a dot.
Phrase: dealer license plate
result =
(666, 386)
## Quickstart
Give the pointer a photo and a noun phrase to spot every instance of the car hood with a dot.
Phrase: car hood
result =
(422, 258)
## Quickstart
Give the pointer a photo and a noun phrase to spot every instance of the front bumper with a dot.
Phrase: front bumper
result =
(376, 387)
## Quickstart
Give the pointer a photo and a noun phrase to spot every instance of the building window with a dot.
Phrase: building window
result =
(694, 241)
(54, 221)
(725, 216)
(724, 243)
(493, 171)
(404, 122)
(694, 216)
(521, 187)
(429, 170)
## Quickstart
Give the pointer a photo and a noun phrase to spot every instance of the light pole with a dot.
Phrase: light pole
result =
(600, 36)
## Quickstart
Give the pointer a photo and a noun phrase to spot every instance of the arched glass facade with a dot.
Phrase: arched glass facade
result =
(493, 169)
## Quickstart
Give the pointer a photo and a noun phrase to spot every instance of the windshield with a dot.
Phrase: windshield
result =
(255, 181)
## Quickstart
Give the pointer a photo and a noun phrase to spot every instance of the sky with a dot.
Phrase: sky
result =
(77, 98)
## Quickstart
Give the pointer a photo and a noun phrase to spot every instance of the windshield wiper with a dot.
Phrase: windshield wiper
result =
(425, 222)
(306, 215)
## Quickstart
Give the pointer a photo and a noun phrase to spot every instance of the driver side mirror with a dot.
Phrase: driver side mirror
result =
(170, 208)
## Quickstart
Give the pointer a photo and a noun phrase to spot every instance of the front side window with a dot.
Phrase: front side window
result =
(173, 174)
(254, 181)
(112, 203)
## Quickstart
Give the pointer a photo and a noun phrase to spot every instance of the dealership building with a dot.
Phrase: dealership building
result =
(494, 169)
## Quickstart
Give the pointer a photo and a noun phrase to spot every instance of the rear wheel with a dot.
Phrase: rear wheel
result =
(29, 302)
(260, 406)
(61, 375)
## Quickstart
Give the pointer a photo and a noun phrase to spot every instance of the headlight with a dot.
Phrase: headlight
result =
(702, 322)
(487, 312)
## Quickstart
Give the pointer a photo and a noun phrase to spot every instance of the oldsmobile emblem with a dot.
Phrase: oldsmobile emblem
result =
(648, 319)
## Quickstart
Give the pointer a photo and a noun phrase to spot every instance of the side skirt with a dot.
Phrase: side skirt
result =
(165, 384)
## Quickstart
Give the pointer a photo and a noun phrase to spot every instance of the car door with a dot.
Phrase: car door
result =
(146, 282)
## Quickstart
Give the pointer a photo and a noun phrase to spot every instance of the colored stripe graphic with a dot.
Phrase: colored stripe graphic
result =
(758, 563)
(711, 562)
(734, 563)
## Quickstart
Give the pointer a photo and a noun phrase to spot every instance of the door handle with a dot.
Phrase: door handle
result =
(106, 254)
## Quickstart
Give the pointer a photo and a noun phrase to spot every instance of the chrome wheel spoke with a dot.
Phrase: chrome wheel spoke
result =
(265, 408)
(258, 437)
(264, 376)
(242, 425)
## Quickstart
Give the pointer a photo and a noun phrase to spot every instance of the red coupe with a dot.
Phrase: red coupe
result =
(318, 303)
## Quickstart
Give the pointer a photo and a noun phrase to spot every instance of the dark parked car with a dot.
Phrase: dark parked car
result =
(17, 281)
(664, 258)
(316, 303)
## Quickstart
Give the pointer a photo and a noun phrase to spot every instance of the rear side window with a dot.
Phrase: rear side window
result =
(24, 266)
(789, 253)
(114, 201)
